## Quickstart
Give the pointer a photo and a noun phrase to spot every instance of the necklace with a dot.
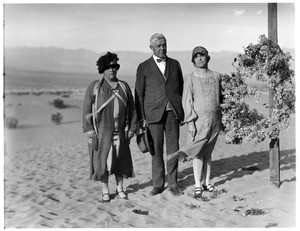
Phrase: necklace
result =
(203, 81)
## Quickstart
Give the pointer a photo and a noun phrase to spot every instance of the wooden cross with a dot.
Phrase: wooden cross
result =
(274, 150)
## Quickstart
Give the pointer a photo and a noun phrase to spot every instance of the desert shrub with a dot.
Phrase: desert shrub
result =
(66, 95)
(11, 122)
(271, 224)
(59, 103)
(56, 118)
(23, 93)
(37, 93)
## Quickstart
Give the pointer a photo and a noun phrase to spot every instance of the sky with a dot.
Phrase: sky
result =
(128, 26)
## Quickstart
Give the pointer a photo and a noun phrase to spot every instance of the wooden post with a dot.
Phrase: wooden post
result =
(274, 150)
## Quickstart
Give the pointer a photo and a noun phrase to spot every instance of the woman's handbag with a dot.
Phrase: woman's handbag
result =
(144, 140)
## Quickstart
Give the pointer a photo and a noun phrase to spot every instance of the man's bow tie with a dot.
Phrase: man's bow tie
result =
(161, 60)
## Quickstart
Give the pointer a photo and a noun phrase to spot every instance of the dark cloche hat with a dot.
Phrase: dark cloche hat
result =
(200, 50)
(106, 61)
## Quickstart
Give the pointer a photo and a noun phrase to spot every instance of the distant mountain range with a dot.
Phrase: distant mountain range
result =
(80, 61)
(52, 59)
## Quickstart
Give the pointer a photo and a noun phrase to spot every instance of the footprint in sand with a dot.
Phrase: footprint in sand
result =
(84, 198)
(46, 217)
(9, 213)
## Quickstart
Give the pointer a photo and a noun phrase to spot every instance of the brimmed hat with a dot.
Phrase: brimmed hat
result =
(200, 50)
(111, 64)
(144, 141)
(107, 61)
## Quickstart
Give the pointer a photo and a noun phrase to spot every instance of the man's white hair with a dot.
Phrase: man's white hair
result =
(156, 37)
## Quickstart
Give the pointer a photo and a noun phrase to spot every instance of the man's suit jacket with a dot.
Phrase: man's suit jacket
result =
(153, 90)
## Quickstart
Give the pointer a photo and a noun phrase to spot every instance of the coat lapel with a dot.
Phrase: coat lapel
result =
(156, 68)
(169, 69)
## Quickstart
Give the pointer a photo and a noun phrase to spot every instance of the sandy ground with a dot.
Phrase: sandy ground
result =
(46, 183)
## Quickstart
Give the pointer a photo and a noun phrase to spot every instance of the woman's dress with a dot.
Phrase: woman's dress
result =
(201, 103)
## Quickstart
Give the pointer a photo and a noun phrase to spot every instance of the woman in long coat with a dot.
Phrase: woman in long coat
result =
(112, 123)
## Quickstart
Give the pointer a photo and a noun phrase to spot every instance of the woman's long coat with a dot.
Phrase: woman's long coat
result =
(127, 118)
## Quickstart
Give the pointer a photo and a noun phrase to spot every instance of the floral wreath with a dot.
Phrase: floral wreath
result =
(266, 62)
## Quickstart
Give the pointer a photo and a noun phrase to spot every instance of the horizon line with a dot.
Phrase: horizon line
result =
(86, 49)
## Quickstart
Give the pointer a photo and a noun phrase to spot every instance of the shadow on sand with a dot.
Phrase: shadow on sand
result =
(234, 167)
(231, 168)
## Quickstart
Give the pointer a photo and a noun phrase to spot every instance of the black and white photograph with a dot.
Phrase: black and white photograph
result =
(155, 114)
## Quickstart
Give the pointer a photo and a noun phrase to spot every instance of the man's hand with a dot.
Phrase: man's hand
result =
(90, 135)
(142, 123)
(128, 136)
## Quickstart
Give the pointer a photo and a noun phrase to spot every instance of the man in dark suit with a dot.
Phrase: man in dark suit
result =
(158, 91)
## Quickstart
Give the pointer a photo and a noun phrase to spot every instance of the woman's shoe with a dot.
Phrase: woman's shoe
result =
(105, 197)
(122, 194)
(198, 192)
(208, 187)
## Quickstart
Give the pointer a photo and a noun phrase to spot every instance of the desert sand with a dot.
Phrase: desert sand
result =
(46, 179)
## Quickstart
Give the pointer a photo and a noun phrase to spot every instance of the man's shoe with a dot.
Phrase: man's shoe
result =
(155, 191)
(176, 191)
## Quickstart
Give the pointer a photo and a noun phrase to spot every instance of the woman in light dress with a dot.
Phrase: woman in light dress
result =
(201, 103)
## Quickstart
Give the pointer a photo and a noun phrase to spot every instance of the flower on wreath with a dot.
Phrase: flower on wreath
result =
(267, 63)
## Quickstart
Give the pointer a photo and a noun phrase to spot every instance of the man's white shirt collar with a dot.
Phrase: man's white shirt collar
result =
(156, 58)
(161, 65)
